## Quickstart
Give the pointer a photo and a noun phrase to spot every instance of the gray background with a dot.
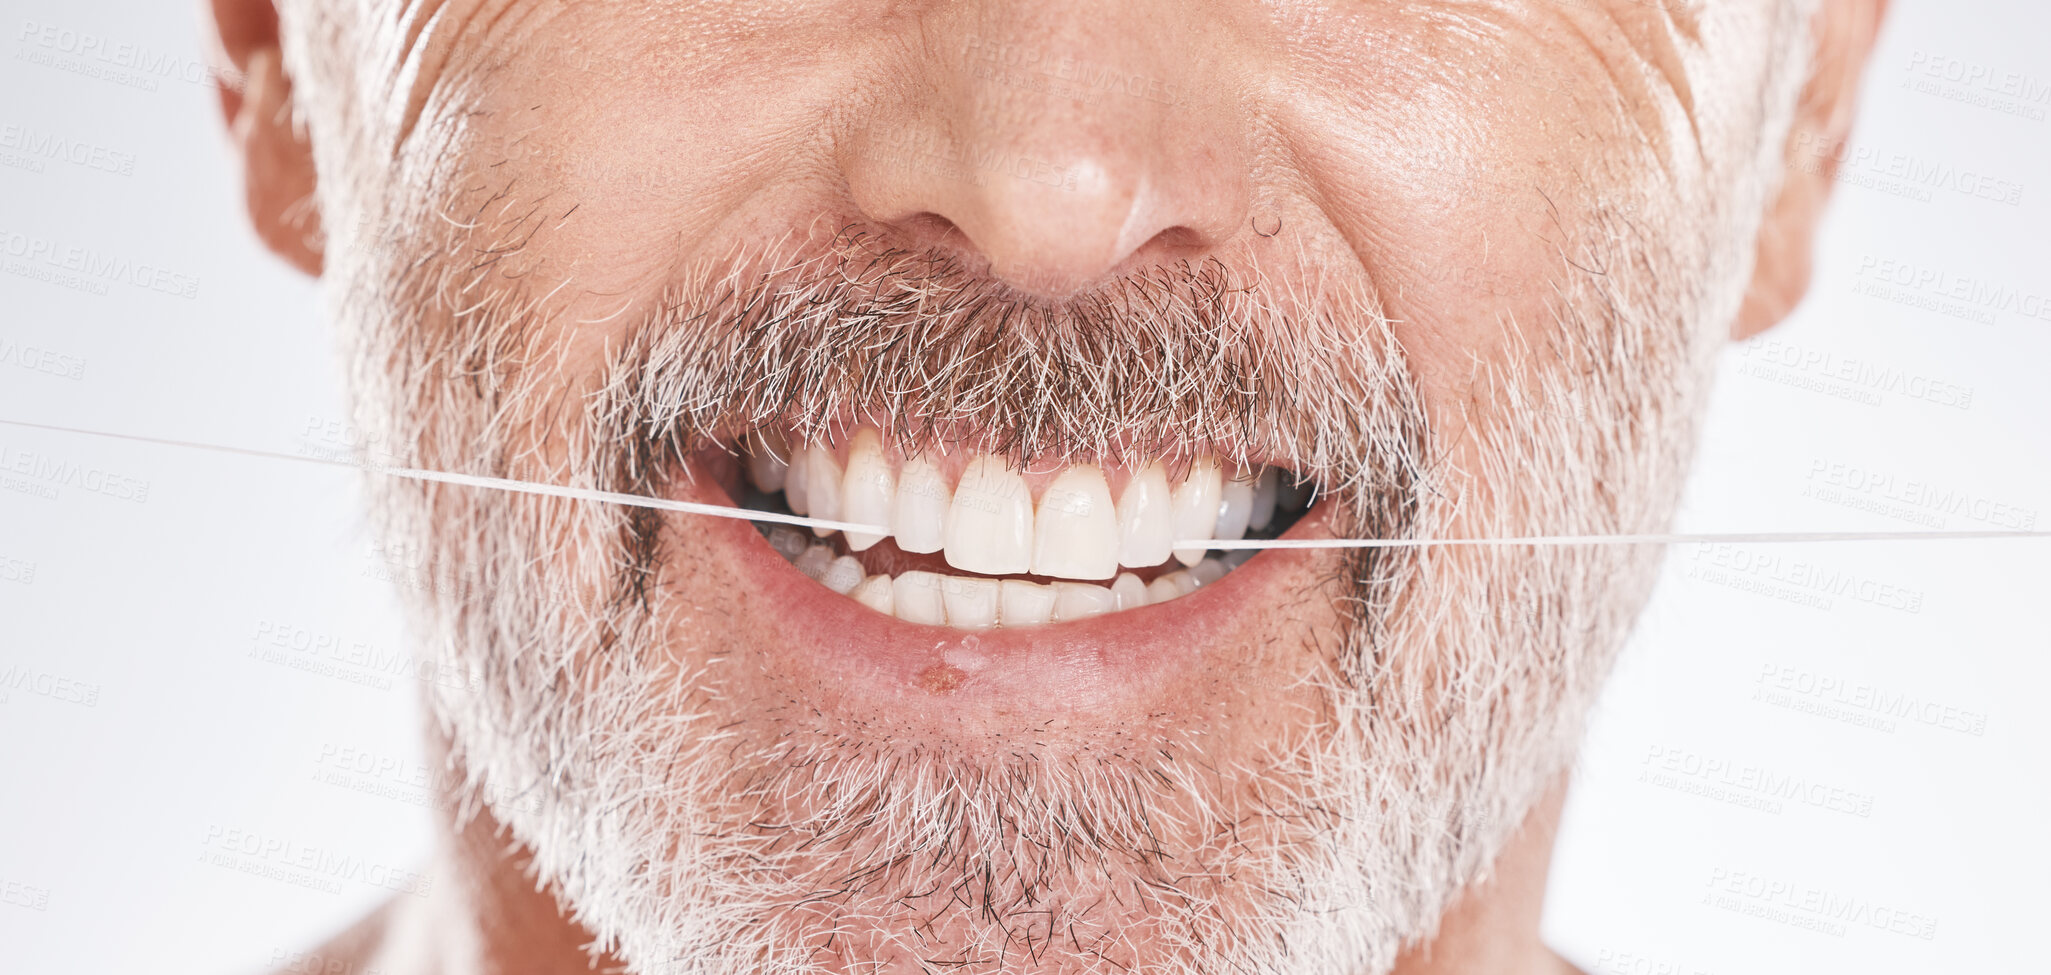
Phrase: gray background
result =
(1813, 758)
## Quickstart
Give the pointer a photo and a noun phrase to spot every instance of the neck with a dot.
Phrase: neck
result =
(486, 916)
(1493, 928)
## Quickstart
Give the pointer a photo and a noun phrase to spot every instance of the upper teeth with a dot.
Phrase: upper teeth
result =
(988, 522)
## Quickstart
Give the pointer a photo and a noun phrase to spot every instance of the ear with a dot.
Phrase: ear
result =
(1844, 31)
(277, 158)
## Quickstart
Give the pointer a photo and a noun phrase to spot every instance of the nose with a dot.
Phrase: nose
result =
(1058, 143)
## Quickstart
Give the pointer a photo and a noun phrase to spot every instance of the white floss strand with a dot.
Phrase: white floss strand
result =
(494, 483)
(749, 514)
(1699, 538)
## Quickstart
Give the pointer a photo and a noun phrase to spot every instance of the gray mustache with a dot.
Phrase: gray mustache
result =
(1162, 362)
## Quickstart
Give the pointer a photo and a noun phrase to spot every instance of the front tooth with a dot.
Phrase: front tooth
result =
(1208, 571)
(990, 523)
(843, 575)
(915, 597)
(870, 490)
(822, 486)
(766, 463)
(1235, 509)
(1265, 491)
(876, 592)
(1023, 603)
(919, 514)
(1076, 528)
(1145, 526)
(1195, 506)
(1080, 600)
(796, 480)
(1129, 591)
(971, 604)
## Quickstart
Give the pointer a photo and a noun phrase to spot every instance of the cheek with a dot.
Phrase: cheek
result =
(592, 163)
(1479, 182)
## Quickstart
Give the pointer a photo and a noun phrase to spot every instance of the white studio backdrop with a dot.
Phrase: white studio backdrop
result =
(1813, 758)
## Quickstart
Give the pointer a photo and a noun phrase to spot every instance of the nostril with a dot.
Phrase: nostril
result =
(1175, 243)
(927, 229)
(1029, 272)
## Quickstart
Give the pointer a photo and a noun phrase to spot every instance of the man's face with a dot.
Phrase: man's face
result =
(1003, 276)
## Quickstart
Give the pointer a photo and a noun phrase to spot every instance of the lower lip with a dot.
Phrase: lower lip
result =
(1103, 662)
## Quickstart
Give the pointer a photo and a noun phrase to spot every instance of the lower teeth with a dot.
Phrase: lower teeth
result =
(982, 602)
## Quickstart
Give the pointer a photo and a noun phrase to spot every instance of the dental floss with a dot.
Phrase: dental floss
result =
(749, 514)
(1695, 538)
(497, 483)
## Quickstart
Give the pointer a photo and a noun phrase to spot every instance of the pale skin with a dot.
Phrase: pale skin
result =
(1379, 139)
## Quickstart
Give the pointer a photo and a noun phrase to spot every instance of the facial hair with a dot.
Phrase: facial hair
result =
(692, 839)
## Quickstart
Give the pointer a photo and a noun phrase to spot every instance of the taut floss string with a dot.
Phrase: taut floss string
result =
(750, 514)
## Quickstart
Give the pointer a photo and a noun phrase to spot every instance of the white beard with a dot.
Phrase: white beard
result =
(1455, 702)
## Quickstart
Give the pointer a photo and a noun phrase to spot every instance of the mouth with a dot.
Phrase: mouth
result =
(971, 543)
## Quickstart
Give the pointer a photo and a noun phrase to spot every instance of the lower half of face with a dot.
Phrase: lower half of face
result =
(1037, 706)
(1031, 708)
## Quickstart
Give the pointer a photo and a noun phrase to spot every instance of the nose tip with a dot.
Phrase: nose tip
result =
(1046, 226)
(1056, 193)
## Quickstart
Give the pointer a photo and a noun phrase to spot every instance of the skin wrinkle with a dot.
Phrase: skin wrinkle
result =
(430, 47)
(1668, 57)
(1496, 20)
(416, 24)
(708, 804)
